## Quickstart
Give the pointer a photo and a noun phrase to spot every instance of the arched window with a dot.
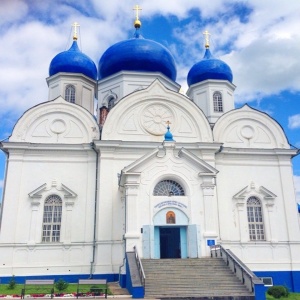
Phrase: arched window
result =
(168, 188)
(70, 93)
(170, 217)
(218, 102)
(255, 219)
(52, 219)
(110, 103)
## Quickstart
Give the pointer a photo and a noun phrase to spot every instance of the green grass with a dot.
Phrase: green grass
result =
(292, 296)
(45, 289)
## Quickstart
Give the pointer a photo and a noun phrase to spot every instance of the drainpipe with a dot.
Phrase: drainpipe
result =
(4, 183)
(95, 210)
(217, 194)
(124, 240)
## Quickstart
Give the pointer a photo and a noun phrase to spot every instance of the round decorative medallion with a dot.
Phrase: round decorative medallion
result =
(247, 132)
(155, 117)
(58, 126)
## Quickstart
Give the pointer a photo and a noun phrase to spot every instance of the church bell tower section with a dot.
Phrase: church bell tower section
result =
(210, 85)
(73, 76)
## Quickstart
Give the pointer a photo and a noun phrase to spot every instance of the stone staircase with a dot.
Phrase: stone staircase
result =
(201, 278)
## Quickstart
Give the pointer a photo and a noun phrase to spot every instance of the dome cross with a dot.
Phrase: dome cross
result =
(206, 34)
(75, 25)
(137, 22)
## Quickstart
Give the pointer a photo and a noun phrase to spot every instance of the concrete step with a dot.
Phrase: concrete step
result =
(191, 278)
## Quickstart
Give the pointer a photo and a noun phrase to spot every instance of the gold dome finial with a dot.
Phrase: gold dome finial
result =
(206, 34)
(137, 22)
(75, 25)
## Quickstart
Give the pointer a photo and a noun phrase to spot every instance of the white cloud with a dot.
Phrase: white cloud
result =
(12, 10)
(294, 121)
(263, 52)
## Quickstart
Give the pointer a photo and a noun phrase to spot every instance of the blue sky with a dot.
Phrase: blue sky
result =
(260, 40)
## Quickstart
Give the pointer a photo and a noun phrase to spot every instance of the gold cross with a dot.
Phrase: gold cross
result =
(206, 34)
(168, 123)
(75, 25)
(137, 8)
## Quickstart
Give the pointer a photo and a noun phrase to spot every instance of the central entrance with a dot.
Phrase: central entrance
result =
(169, 242)
(167, 237)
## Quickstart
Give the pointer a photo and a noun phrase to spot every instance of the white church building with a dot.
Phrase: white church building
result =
(166, 172)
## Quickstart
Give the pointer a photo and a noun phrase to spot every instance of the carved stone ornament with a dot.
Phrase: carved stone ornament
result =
(58, 126)
(154, 118)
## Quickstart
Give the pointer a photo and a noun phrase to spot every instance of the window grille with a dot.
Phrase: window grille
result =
(168, 188)
(218, 102)
(52, 219)
(255, 219)
(70, 93)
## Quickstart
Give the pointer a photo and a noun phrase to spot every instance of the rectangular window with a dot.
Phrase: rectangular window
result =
(268, 281)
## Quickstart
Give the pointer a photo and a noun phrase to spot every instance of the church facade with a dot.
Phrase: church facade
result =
(167, 173)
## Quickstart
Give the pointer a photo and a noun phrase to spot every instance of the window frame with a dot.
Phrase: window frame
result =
(169, 188)
(218, 101)
(70, 96)
(255, 218)
(264, 279)
(110, 102)
(52, 219)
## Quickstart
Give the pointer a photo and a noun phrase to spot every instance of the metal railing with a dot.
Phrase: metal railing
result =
(140, 266)
(248, 278)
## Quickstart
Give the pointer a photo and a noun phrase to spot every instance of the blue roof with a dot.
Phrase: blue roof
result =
(137, 54)
(73, 61)
(209, 68)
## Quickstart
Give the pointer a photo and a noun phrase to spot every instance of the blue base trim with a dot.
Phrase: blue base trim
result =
(260, 292)
(135, 291)
(122, 281)
(289, 279)
(138, 292)
(69, 278)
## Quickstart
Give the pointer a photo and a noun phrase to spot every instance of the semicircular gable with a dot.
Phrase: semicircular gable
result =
(249, 128)
(143, 116)
(56, 121)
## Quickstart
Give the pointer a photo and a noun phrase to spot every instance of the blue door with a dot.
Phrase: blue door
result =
(170, 242)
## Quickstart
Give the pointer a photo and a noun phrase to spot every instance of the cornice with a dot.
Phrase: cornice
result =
(113, 144)
(120, 75)
(256, 151)
(73, 76)
(10, 146)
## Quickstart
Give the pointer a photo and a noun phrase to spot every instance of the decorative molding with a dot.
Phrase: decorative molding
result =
(68, 192)
(108, 96)
(251, 190)
(37, 193)
(53, 187)
(154, 118)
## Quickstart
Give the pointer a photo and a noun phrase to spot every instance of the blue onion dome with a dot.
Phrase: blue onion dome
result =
(73, 61)
(137, 54)
(209, 68)
(169, 135)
